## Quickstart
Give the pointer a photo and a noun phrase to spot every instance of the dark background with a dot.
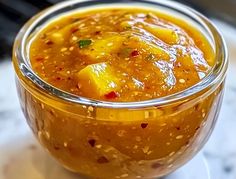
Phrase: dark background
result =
(14, 13)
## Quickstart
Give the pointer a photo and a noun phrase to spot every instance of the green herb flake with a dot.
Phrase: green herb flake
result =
(150, 57)
(128, 27)
(148, 16)
(125, 52)
(84, 43)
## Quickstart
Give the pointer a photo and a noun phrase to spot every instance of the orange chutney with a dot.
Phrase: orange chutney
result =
(121, 55)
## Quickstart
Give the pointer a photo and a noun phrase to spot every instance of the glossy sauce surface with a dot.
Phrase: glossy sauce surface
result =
(121, 54)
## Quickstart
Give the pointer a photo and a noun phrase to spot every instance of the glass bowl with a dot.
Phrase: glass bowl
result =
(120, 139)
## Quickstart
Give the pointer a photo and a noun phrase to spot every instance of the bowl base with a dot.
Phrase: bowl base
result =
(27, 158)
(194, 169)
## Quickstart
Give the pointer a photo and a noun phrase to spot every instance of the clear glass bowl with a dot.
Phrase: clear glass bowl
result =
(120, 140)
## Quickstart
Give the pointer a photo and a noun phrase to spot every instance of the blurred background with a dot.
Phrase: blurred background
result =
(13, 14)
(220, 151)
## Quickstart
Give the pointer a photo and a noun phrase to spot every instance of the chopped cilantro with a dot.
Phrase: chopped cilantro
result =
(84, 43)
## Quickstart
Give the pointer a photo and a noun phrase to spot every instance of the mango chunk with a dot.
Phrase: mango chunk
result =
(97, 79)
(154, 49)
(167, 35)
(142, 43)
(103, 47)
(57, 38)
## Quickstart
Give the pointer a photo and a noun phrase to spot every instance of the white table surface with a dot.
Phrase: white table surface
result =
(22, 158)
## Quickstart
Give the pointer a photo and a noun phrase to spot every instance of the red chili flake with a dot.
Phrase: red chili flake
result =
(39, 59)
(92, 142)
(102, 160)
(108, 140)
(156, 165)
(144, 125)
(97, 32)
(74, 29)
(58, 78)
(197, 128)
(51, 112)
(178, 128)
(134, 53)
(75, 19)
(49, 42)
(56, 148)
(111, 95)
(197, 107)
(157, 107)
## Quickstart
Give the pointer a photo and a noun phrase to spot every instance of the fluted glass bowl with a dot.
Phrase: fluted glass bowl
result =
(120, 139)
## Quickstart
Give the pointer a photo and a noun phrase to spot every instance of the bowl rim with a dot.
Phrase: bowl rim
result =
(213, 79)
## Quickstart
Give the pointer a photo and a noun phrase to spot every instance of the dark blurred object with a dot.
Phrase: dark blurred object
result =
(221, 9)
(13, 13)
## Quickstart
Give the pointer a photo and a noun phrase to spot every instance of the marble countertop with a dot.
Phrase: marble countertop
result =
(20, 153)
